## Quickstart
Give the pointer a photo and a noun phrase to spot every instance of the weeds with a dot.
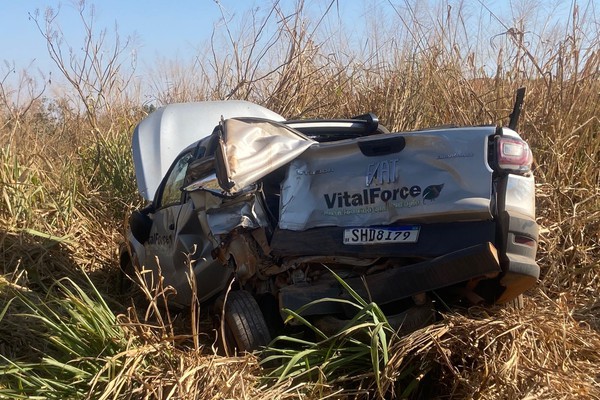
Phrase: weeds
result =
(78, 343)
(358, 352)
(108, 166)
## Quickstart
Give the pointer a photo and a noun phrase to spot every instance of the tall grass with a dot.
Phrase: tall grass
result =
(78, 347)
(68, 344)
(66, 181)
(358, 352)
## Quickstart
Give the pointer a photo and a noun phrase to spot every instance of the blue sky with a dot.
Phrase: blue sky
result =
(176, 29)
(161, 28)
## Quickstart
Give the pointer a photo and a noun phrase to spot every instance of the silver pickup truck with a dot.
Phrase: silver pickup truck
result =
(242, 198)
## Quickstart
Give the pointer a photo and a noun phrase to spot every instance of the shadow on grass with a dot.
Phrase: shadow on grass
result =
(31, 263)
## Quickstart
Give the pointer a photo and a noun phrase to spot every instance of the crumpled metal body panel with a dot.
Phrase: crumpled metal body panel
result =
(520, 195)
(251, 150)
(245, 212)
(440, 175)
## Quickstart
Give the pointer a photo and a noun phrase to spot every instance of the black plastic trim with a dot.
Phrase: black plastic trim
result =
(382, 146)
(520, 258)
(397, 283)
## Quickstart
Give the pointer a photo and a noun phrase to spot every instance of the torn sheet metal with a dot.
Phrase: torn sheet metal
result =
(251, 149)
(244, 212)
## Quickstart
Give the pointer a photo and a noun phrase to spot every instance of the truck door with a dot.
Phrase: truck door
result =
(163, 252)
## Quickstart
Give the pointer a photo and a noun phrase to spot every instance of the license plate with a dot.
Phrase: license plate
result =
(396, 234)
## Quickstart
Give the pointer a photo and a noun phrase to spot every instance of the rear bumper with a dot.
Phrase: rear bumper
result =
(394, 284)
(520, 271)
(459, 252)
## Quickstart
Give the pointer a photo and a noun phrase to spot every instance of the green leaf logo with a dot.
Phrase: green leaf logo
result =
(432, 192)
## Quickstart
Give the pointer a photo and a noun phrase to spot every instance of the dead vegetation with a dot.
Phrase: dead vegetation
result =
(66, 180)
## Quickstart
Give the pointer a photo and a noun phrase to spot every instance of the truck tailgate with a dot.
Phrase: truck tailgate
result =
(425, 176)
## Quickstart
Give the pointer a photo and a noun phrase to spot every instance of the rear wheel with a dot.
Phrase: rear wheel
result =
(245, 329)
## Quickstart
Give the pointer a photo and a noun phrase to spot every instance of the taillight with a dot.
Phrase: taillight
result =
(513, 154)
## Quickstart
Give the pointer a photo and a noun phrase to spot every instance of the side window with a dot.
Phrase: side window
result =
(172, 190)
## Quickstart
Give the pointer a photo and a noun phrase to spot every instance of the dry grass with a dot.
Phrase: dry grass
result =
(66, 180)
(541, 351)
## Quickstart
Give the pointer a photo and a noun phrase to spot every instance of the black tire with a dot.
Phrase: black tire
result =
(416, 317)
(244, 324)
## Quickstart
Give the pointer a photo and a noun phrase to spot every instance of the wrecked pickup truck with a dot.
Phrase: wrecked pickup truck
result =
(268, 207)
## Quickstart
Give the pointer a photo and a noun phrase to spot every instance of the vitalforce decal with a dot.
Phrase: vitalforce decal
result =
(160, 240)
(402, 197)
(370, 196)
